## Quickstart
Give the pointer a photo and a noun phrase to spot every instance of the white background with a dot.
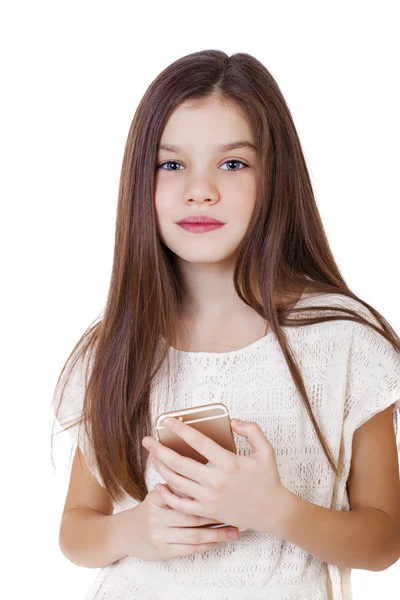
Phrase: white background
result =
(72, 76)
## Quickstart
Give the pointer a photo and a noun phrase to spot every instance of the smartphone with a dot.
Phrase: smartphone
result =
(211, 420)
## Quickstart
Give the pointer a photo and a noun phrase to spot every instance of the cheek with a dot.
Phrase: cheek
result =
(164, 206)
(166, 213)
(241, 192)
(243, 205)
(165, 193)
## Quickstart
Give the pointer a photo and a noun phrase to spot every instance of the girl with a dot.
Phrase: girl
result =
(253, 313)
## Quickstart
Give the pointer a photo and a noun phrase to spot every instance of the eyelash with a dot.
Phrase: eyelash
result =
(229, 160)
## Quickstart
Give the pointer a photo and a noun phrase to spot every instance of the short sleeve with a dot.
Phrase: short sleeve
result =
(373, 379)
(68, 414)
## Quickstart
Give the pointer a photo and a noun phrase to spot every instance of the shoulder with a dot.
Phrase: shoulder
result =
(373, 361)
(341, 305)
(324, 306)
(358, 340)
(335, 300)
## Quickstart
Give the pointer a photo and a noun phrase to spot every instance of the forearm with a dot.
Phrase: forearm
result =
(360, 538)
(89, 538)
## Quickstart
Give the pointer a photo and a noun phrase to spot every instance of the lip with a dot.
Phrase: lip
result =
(200, 227)
(199, 219)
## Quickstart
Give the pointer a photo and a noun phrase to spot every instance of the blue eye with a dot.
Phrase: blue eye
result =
(168, 162)
(175, 162)
(235, 161)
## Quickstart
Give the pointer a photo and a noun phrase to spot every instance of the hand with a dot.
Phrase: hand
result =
(153, 531)
(245, 491)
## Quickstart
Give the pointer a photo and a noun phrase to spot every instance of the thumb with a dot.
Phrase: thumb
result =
(253, 433)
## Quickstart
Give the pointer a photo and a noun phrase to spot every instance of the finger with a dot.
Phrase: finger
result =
(199, 536)
(253, 433)
(176, 482)
(159, 500)
(184, 505)
(173, 518)
(188, 467)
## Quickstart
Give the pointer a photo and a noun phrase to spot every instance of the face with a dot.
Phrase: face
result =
(198, 178)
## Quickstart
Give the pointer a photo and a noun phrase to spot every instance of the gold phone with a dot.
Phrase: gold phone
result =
(211, 420)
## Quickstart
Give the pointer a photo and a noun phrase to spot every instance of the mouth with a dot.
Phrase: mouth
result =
(200, 219)
(200, 227)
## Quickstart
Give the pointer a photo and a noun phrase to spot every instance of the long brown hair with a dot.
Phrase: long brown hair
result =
(285, 248)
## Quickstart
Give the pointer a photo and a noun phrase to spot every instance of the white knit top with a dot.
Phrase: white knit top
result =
(351, 373)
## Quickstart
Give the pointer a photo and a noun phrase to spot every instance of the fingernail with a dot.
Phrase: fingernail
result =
(232, 533)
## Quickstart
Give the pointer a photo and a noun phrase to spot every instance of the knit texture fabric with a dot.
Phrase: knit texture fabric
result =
(351, 373)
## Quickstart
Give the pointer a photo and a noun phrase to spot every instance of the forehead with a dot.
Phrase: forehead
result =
(211, 125)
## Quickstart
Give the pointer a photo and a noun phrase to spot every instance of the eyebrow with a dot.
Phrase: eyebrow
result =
(219, 147)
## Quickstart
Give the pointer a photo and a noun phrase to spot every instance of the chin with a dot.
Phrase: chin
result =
(206, 260)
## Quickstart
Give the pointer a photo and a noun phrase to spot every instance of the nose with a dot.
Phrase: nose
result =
(200, 190)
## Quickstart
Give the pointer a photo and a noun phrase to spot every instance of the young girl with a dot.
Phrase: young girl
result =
(254, 313)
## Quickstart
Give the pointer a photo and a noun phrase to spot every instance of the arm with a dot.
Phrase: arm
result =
(367, 536)
(362, 538)
(90, 533)
(92, 539)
